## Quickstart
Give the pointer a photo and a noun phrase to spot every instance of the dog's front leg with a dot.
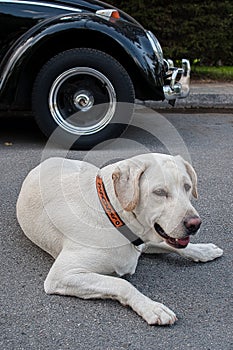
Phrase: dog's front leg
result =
(201, 252)
(68, 279)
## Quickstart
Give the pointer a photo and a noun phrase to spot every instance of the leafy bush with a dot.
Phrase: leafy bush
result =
(192, 29)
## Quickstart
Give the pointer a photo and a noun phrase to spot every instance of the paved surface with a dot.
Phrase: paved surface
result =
(212, 95)
(200, 294)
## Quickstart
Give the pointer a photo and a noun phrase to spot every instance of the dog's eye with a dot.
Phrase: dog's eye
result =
(161, 192)
(187, 187)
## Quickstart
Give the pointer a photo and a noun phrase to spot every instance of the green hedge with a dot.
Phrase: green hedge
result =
(187, 29)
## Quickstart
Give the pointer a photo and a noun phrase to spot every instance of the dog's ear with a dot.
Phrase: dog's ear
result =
(193, 176)
(126, 179)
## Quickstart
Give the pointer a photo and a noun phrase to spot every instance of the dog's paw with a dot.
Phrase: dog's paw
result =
(202, 252)
(156, 313)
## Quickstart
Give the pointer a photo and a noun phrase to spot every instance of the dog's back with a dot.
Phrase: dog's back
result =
(42, 187)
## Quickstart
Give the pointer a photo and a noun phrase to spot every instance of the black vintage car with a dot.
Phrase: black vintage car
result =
(71, 62)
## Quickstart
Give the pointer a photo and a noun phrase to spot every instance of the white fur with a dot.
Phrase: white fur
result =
(59, 210)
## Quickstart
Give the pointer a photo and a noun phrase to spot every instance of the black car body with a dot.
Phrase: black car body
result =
(39, 44)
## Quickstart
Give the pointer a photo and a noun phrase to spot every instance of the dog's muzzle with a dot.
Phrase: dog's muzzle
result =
(191, 224)
(178, 243)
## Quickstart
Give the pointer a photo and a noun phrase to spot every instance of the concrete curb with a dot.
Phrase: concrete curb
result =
(202, 95)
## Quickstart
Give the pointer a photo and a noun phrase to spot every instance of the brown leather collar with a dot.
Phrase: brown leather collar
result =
(112, 214)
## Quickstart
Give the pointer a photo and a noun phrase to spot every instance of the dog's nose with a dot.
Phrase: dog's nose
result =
(192, 224)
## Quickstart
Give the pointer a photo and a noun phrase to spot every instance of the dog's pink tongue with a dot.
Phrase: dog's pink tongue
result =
(184, 241)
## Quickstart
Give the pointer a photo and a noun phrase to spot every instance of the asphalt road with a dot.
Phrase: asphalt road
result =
(200, 294)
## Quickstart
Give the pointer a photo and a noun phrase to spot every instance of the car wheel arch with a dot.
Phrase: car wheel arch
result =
(45, 49)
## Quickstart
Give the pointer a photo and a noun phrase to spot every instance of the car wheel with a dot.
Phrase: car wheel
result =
(78, 92)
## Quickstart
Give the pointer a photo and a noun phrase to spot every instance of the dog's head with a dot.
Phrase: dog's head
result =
(157, 189)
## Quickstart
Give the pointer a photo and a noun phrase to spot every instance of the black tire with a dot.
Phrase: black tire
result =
(85, 84)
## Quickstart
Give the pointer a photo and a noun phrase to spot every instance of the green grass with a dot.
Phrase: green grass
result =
(224, 73)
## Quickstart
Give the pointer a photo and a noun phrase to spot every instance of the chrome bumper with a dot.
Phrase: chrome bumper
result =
(180, 88)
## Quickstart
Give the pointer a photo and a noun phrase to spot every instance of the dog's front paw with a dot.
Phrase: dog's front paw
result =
(202, 252)
(155, 313)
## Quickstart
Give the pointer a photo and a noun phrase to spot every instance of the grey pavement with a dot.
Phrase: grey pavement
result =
(202, 95)
(200, 294)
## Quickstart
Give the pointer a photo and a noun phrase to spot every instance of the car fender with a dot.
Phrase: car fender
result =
(134, 43)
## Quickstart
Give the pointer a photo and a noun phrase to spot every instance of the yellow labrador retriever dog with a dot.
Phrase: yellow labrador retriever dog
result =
(97, 222)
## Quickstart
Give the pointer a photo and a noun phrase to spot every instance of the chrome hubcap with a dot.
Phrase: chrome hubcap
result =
(82, 101)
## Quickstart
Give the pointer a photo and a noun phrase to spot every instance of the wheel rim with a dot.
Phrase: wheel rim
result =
(82, 101)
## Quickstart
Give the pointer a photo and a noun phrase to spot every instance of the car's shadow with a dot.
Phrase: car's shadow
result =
(23, 129)
(19, 128)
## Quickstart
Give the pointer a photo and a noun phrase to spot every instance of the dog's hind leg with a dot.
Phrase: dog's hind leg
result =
(66, 278)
